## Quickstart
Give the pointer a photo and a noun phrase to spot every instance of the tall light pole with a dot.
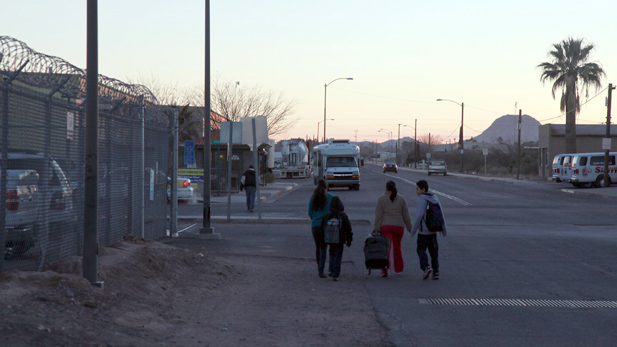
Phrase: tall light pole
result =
(206, 230)
(321, 121)
(325, 93)
(460, 140)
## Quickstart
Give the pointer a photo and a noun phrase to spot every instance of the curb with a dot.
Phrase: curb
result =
(588, 193)
(285, 189)
(264, 220)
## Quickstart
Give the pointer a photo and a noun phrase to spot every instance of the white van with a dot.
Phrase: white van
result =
(561, 173)
(588, 169)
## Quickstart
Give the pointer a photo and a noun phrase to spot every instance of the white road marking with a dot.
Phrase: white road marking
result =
(187, 228)
(436, 192)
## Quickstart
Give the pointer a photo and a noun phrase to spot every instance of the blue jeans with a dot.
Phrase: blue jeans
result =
(428, 242)
(250, 197)
(336, 258)
(320, 248)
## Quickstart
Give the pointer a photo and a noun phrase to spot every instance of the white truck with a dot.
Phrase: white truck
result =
(338, 163)
(294, 159)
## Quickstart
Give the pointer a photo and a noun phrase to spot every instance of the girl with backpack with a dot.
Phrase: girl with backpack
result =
(391, 218)
(427, 239)
(318, 207)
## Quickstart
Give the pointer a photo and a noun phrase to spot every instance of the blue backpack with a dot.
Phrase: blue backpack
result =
(434, 218)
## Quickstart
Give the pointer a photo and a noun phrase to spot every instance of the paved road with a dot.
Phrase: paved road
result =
(525, 263)
(524, 241)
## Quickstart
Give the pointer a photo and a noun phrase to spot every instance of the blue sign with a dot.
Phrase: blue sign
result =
(189, 153)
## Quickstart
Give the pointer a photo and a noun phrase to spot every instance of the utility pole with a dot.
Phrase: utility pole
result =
(518, 151)
(608, 133)
(91, 244)
(462, 144)
(398, 143)
(207, 231)
(415, 140)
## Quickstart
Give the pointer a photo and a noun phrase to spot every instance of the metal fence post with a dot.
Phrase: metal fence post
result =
(173, 228)
(256, 161)
(4, 166)
(142, 173)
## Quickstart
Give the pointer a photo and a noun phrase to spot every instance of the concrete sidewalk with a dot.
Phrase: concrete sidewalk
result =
(265, 193)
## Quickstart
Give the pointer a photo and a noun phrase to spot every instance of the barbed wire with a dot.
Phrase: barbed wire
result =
(50, 72)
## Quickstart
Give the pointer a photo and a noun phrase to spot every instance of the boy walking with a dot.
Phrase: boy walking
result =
(427, 240)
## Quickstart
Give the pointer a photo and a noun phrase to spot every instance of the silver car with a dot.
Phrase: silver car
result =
(437, 166)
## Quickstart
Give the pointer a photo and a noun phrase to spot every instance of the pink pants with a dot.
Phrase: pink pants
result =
(395, 235)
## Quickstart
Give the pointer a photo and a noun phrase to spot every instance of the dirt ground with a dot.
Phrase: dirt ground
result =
(159, 295)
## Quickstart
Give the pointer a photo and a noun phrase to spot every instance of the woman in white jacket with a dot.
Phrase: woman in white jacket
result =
(426, 239)
(391, 218)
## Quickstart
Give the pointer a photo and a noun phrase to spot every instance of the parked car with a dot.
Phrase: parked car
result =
(38, 191)
(22, 199)
(390, 167)
(437, 166)
(184, 190)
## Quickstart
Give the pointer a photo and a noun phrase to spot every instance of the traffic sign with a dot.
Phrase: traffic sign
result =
(189, 153)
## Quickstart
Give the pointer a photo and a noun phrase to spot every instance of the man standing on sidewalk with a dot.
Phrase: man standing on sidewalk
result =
(248, 182)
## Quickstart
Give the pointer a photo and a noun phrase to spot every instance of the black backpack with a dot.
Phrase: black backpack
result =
(434, 218)
(332, 230)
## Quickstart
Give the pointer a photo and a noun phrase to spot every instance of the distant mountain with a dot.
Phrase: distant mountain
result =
(390, 144)
(506, 128)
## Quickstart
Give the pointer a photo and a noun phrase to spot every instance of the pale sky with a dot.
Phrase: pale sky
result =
(402, 55)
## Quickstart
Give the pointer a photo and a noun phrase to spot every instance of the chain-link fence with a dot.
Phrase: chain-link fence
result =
(42, 159)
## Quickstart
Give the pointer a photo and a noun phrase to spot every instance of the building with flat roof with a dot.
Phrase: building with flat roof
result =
(552, 141)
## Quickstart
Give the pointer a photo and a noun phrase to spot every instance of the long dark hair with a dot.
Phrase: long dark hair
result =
(391, 187)
(320, 196)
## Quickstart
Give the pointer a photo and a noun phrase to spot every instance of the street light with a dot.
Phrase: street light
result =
(460, 140)
(389, 136)
(321, 121)
(324, 103)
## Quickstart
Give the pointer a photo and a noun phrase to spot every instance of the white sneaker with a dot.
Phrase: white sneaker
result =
(427, 273)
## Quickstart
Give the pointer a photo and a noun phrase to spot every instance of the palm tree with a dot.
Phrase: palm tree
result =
(569, 65)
